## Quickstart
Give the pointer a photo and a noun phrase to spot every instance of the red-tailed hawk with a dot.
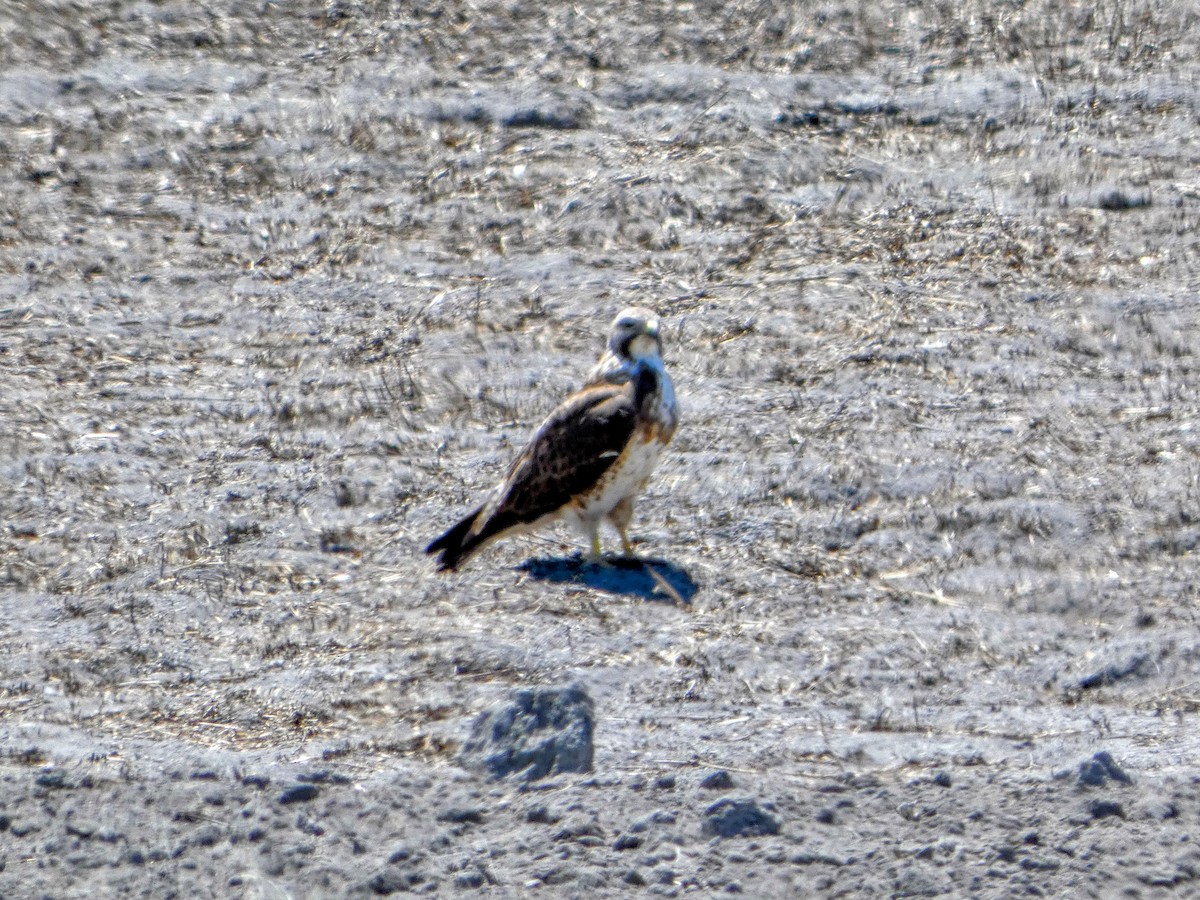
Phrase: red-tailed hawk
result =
(590, 458)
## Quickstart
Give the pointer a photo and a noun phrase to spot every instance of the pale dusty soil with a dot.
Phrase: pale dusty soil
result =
(284, 286)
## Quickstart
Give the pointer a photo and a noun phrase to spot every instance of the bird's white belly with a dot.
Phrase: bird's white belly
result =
(624, 479)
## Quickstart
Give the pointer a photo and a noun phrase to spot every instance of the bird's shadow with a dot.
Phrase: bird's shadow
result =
(651, 579)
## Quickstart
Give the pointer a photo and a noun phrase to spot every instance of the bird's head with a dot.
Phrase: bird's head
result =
(635, 334)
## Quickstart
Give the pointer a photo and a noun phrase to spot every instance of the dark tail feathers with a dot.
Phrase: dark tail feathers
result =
(456, 544)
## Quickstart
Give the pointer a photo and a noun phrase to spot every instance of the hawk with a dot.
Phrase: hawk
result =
(590, 458)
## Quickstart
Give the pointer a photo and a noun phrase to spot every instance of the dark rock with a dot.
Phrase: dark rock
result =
(1163, 810)
(808, 858)
(826, 816)
(719, 780)
(83, 829)
(540, 732)
(541, 815)
(308, 826)
(555, 875)
(1102, 809)
(204, 836)
(403, 853)
(299, 793)
(1039, 864)
(321, 776)
(1115, 672)
(634, 877)
(579, 828)
(387, 882)
(1117, 200)
(242, 530)
(472, 879)
(942, 779)
(627, 842)
(258, 781)
(564, 117)
(1163, 878)
(664, 782)
(52, 780)
(738, 818)
(658, 817)
(461, 814)
(1100, 769)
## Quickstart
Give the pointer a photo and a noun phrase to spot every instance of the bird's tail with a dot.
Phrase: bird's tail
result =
(456, 544)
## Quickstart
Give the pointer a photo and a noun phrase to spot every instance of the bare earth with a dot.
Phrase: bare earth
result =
(283, 286)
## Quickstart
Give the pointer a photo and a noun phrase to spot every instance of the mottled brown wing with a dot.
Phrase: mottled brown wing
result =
(570, 452)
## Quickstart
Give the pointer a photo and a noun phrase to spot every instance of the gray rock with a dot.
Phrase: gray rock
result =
(81, 828)
(1100, 769)
(299, 793)
(719, 780)
(1102, 809)
(461, 815)
(52, 780)
(471, 879)
(627, 842)
(388, 882)
(738, 818)
(542, 731)
(1111, 674)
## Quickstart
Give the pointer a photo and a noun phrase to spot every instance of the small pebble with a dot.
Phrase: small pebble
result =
(299, 793)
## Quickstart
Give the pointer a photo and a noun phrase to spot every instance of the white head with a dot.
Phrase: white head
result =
(635, 334)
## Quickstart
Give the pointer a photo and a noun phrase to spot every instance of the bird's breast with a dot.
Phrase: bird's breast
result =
(627, 475)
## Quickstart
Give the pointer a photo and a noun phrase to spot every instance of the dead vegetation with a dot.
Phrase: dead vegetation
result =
(268, 320)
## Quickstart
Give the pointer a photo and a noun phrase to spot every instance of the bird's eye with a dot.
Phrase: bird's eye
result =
(628, 323)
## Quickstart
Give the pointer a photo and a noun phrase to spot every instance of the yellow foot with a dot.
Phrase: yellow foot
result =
(626, 547)
(594, 556)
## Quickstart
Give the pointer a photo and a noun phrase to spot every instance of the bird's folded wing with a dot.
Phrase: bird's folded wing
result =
(569, 454)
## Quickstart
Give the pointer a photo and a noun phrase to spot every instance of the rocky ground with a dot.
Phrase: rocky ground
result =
(284, 286)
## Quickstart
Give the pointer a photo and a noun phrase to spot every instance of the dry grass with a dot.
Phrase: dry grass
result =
(933, 384)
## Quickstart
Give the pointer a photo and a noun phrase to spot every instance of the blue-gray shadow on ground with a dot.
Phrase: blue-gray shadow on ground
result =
(651, 579)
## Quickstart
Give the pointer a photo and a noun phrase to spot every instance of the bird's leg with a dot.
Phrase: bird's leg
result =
(625, 545)
(621, 516)
(593, 553)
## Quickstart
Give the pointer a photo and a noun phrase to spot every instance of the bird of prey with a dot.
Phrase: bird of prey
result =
(590, 458)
